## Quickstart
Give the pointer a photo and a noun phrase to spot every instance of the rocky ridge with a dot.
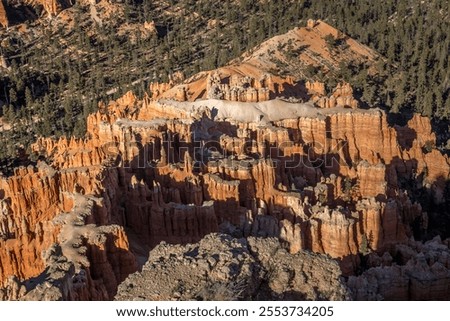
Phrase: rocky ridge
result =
(258, 75)
(222, 268)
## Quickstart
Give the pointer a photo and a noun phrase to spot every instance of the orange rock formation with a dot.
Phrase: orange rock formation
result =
(342, 95)
(4, 21)
(327, 198)
(328, 184)
(52, 7)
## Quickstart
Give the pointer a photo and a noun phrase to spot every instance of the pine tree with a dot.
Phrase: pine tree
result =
(12, 96)
(28, 97)
(427, 108)
(8, 113)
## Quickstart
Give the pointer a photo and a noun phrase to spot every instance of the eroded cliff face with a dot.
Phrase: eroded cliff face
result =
(236, 150)
(331, 184)
(317, 173)
(42, 207)
(4, 20)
